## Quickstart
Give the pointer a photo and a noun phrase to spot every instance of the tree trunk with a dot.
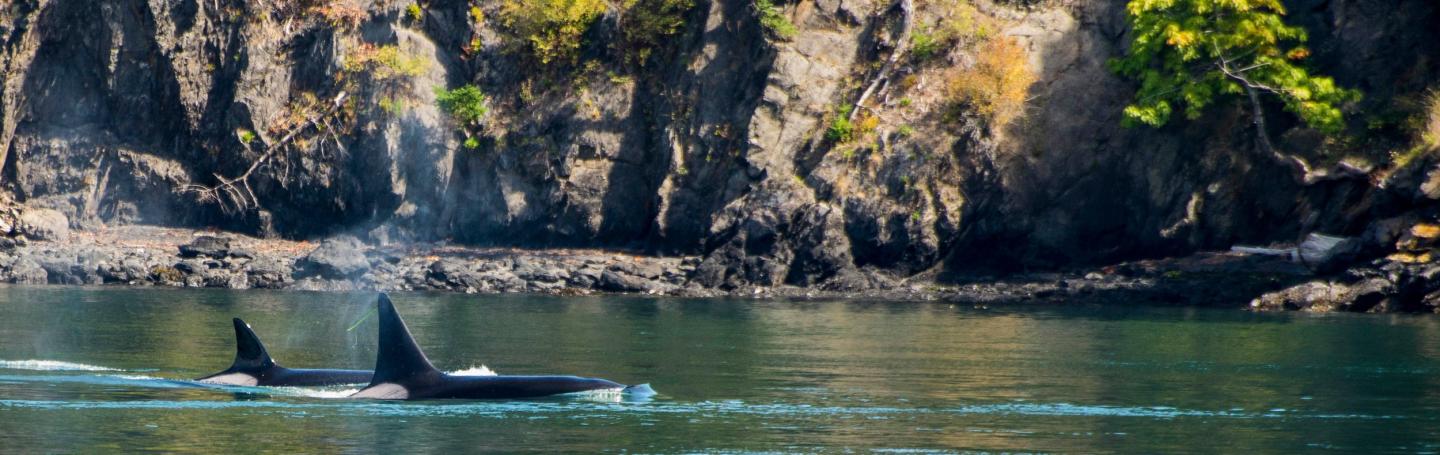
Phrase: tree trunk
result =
(907, 8)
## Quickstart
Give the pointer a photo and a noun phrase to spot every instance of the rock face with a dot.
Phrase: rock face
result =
(44, 224)
(116, 112)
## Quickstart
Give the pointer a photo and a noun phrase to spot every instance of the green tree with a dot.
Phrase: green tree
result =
(1190, 53)
(464, 104)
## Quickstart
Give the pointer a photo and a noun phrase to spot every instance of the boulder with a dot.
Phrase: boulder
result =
(450, 272)
(44, 224)
(541, 271)
(27, 271)
(341, 257)
(268, 274)
(206, 245)
(1327, 253)
(62, 271)
(9, 221)
(618, 282)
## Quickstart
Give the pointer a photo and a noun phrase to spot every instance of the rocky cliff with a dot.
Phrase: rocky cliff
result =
(714, 144)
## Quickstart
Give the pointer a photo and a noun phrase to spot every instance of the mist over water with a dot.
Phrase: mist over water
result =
(86, 369)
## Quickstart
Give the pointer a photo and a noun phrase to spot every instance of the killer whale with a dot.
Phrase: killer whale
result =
(402, 372)
(254, 367)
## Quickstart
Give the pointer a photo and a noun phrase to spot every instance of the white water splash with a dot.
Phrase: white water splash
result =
(614, 395)
(51, 365)
(481, 370)
(315, 393)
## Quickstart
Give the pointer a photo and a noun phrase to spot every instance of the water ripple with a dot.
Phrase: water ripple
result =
(501, 409)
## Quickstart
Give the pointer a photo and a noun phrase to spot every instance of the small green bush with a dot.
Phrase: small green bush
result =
(393, 106)
(841, 130)
(413, 12)
(465, 104)
(775, 21)
(924, 43)
(472, 143)
(246, 136)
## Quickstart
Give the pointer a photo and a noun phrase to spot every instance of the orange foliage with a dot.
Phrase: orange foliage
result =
(996, 86)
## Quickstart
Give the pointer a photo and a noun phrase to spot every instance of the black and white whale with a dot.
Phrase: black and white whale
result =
(254, 367)
(402, 372)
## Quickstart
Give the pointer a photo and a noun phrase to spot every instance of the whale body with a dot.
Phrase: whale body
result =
(254, 367)
(402, 372)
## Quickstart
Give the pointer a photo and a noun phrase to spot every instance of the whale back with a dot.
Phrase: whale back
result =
(250, 353)
(252, 361)
(399, 358)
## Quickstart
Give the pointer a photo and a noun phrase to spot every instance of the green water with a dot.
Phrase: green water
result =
(733, 376)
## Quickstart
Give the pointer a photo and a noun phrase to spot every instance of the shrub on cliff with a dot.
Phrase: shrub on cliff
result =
(996, 86)
(343, 14)
(774, 21)
(1426, 127)
(385, 63)
(466, 105)
(646, 24)
(841, 130)
(550, 29)
(1430, 121)
(959, 23)
(1187, 54)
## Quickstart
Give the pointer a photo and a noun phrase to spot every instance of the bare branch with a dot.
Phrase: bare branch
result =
(234, 194)
(907, 8)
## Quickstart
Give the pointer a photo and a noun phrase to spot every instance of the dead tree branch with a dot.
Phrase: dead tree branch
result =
(236, 190)
(907, 8)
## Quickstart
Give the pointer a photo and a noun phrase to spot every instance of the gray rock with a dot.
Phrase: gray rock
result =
(617, 282)
(227, 280)
(539, 271)
(190, 266)
(206, 245)
(127, 271)
(586, 277)
(7, 243)
(646, 269)
(27, 271)
(451, 272)
(340, 257)
(44, 224)
(62, 271)
(268, 274)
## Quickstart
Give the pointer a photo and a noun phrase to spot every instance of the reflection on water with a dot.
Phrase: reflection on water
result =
(97, 369)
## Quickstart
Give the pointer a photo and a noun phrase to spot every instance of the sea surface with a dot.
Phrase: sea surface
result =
(109, 369)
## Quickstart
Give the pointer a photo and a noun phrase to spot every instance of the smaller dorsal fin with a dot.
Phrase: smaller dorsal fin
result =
(250, 354)
(398, 357)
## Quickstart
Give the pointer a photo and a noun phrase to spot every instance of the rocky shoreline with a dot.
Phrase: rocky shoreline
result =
(174, 257)
(37, 246)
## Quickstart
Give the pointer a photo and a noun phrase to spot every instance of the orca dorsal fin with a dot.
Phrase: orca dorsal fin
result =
(399, 357)
(250, 354)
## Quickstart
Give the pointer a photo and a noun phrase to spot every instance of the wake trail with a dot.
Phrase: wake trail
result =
(51, 365)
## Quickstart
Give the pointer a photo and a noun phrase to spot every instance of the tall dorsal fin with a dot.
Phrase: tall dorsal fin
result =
(398, 358)
(250, 354)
